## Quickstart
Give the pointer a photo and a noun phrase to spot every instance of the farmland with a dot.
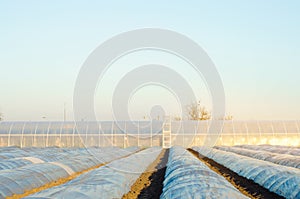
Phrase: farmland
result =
(112, 172)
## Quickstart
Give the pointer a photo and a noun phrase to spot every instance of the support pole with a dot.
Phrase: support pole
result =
(73, 137)
(124, 135)
(47, 138)
(259, 130)
(9, 132)
(99, 132)
(247, 132)
(112, 134)
(234, 133)
(86, 133)
(273, 132)
(138, 134)
(21, 140)
(151, 133)
(34, 137)
(60, 132)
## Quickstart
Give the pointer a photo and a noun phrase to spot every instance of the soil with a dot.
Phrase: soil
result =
(244, 185)
(150, 184)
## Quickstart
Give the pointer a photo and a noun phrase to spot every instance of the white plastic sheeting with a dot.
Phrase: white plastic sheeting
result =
(282, 159)
(274, 149)
(33, 160)
(14, 157)
(187, 177)
(110, 181)
(284, 181)
(11, 152)
(29, 176)
(13, 163)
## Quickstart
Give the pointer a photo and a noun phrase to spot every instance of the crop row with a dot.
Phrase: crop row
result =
(110, 181)
(282, 180)
(282, 159)
(187, 177)
(22, 172)
(274, 149)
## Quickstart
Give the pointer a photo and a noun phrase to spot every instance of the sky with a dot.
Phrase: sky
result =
(255, 46)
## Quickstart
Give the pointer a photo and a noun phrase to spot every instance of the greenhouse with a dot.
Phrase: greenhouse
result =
(147, 133)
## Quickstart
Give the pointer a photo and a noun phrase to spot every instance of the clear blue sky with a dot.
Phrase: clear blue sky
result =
(254, 44)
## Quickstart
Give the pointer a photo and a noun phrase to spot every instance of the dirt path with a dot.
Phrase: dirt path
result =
(150, 184)
(244, 185)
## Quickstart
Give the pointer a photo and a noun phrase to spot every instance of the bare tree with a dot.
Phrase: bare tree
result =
(197, 112)
(1, 116)
(177, 118)
(192, 111)
(204, 114)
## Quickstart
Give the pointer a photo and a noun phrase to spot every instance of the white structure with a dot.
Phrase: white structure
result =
(167, 133)
(147, 133)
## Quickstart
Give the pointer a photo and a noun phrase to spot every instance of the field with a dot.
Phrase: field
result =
(243, 171)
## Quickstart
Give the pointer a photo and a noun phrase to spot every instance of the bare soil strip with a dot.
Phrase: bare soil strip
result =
(61, 180)
(150, 184)
(244, 185)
